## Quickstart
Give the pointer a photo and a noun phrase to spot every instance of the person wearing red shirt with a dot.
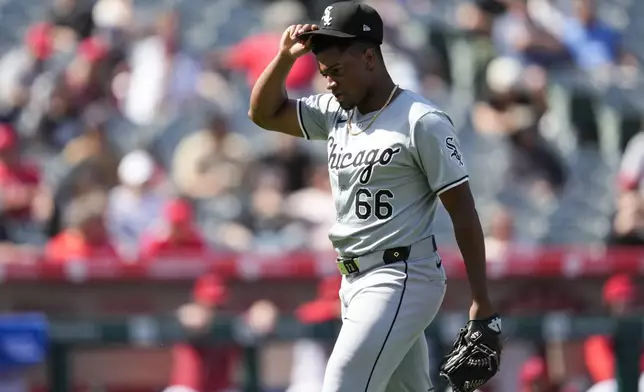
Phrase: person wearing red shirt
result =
(19, 180)
(197, 368)
(326, 306)
(83, 80)
(177, 234)
(254, 53)
(534, 376)
(619, 295)
(85, 237)
(200, 367)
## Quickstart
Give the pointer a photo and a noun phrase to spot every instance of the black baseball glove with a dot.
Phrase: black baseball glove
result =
(475, 357)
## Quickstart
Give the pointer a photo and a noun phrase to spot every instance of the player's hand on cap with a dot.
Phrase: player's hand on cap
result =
(292, 45)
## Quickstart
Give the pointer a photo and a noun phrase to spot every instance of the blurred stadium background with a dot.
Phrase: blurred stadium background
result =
(152, 237)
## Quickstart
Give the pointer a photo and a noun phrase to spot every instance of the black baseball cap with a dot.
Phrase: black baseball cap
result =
(350, 19)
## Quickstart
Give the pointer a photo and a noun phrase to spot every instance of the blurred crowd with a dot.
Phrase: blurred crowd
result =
(71, 182)
(123, 134)
(119, 137)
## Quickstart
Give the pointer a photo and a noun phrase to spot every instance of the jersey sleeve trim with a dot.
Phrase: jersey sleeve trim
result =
(300, 120)
(451, 185)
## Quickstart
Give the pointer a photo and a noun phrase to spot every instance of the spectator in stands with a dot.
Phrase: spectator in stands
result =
(198, 366)
(629, 220)
(21, 66)
(513, 109)
(266, 218)
(73, 21)
(216, 87)
(534, 376)
(114, 25)
(163, 78)
(318, 220)
(80, 180)
(112, 17)
(54, 116)
(309, 355)
(176, 235)
(253, 54)
(87, 76)
(592, 43)
(517, 36)
(620, 295)
(628, 226)
(288, 157)
(53, 119)
(136, 203)
(85, 237)
(94, 149)
(19, 179)
(535, 160)
(478, 16)
(210, 162)
(500, 237)
(631, 172)
(89, 163)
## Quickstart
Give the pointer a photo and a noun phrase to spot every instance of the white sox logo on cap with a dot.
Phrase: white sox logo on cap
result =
(326, 18)
(349, 19)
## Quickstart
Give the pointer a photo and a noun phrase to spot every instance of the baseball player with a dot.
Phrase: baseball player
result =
(392, 155)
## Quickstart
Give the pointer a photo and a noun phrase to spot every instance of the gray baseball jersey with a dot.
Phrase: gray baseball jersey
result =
(386, 180)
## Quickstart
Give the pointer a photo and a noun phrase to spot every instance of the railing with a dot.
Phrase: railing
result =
(107, 303)
(144, 331)
(565, 263)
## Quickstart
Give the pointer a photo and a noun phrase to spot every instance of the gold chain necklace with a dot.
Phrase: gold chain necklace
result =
(373, 118)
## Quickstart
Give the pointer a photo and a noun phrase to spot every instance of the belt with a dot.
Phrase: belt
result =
(353, 265)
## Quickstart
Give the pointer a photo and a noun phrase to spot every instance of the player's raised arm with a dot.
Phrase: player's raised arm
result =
(270, 107)
(440, 157)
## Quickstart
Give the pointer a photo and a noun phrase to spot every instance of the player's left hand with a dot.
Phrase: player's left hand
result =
(476, 355)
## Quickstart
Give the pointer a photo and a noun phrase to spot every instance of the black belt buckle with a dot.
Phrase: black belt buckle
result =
(394, 255)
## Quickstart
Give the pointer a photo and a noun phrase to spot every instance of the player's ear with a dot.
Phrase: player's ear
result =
(370, 58)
